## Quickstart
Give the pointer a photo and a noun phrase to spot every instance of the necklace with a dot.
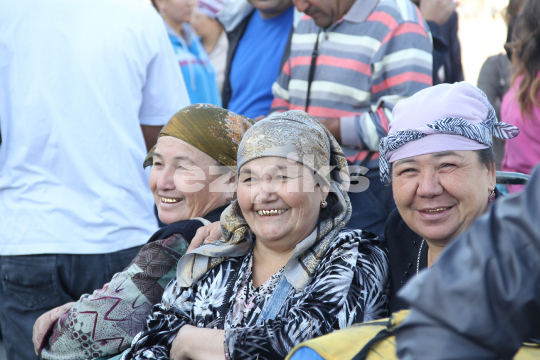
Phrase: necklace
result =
(419, 253)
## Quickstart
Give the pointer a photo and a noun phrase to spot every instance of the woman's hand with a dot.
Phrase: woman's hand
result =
(205, 235)
(44, 322)
(193, 343)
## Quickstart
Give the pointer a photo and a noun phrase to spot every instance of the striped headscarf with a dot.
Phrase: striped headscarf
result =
(445, 117)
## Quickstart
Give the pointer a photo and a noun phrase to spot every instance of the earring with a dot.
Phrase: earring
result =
(324, 204)
(492, 196)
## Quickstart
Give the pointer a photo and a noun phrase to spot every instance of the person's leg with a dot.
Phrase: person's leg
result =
(30, 287)
(371, 208)
(35, 284)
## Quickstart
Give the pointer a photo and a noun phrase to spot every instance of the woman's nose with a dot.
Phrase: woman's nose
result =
(166, 180)
(429, 185)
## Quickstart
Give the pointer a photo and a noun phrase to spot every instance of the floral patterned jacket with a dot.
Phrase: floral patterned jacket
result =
(349, 286)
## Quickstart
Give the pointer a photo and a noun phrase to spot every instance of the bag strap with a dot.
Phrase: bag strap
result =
(362, 355)
(314, 55)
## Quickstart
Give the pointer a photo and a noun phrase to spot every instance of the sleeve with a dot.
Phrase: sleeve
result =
(455, 50)
(348, 288)
(402, 66)
(280, 90)
(483, 295)
(164, 91)
(162, 326)
(107, 320)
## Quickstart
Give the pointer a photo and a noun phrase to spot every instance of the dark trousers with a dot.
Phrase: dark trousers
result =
(371, 208)
(35, 284)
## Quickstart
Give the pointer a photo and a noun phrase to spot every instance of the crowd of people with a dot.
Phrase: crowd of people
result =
(313, 164)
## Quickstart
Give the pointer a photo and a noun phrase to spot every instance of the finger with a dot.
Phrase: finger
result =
(198, 239)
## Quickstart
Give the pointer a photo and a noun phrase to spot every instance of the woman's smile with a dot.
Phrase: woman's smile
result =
(269, 212)
(435, 213)
(168, 200)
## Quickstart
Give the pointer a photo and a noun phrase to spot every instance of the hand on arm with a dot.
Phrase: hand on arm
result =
(44, 322)
(193, 343)
(205, 235)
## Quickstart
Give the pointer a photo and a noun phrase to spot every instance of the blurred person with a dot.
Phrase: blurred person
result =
(351, 61)
(258, 33)
(442, 20)
(78, 82)
(185, 149)
(521, 104)
(300, 276)
(213, 37)
(494, 78)
(482, 298)
(199, 74)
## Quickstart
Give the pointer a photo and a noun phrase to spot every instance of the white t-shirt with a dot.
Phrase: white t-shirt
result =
(77, 78)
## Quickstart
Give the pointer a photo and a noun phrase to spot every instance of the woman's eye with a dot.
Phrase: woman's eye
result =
(248, 179)
(410, 170)
(156, 163)
(447, 165)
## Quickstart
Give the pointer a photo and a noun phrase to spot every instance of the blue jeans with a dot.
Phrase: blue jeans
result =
(35, 284)
(371, 208)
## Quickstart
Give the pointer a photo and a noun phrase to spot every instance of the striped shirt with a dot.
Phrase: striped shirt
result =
(379, 53)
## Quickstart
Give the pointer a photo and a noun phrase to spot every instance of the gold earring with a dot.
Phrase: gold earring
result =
(324, 204)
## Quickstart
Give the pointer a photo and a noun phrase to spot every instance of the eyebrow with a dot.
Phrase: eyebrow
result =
(404, 161)
(176, 158)
(248, 170)
(444, 153)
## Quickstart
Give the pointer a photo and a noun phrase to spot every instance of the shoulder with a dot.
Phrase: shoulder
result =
(396, 12)
(364, 243)
(186, 228)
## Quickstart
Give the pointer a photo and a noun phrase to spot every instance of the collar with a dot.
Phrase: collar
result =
(187, 31)
(360, 10)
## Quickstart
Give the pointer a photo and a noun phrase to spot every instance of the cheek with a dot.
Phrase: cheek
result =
(244, 197)
(404, 192)
(153, 180)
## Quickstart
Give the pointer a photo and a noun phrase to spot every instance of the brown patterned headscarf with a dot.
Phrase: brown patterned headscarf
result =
(293, 133)
(213, 130)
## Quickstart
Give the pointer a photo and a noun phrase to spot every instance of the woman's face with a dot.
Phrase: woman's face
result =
(182, 182)
(176, 11)
(280, 200)
(439, 195)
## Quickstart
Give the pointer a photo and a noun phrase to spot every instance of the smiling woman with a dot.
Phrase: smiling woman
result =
(439, 160)
(300, 276)
(194, 149)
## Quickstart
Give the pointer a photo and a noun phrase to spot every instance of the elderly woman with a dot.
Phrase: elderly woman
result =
(438, 157)
(300, 276)
(189, 191)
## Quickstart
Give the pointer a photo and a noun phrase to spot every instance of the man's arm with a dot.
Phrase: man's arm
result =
(401, 67)
(481, 300)
(150, 134)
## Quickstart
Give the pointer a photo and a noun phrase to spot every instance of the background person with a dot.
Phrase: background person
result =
(371, 54)
(494, 79)
(258, 33)
(199, 74)
(78, 82)
(185, 150)
(213, 37)
(482, 299)
(442, 19)
(439, 159)
(301, 277)
(521, 104)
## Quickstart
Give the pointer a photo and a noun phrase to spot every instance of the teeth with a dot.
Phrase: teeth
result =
(169, 200)
(271, 212)
(435, 210)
